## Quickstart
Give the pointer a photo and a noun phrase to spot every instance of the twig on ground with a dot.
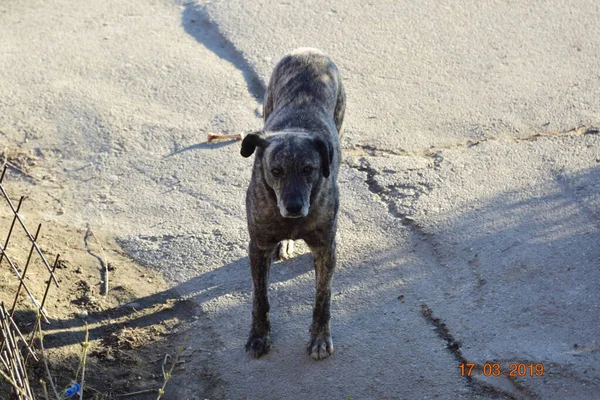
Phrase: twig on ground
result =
(163, 366)
(19, 170)
(4, 157)
(82, 361)
(44, 389)
(102, 260)
(5, 162)
(217, 136)
(169, 374)
(138, 392)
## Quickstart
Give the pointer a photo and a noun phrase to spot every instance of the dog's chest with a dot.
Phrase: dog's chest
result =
(277, 228)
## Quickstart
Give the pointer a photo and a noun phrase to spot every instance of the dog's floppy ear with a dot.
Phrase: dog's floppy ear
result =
(251, 142)
(326, 152)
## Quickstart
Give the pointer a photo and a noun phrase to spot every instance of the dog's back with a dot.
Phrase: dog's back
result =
(304, 81)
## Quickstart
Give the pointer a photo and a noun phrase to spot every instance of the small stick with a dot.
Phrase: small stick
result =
(103, 261)
(44, 359)
(4, 161)
(217, 136)
(138, 392)
(20, 171)
(163, 365)
(43, 383)
(85, 346)
(167, 376)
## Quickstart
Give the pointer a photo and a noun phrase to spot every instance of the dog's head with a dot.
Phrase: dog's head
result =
(293, 165)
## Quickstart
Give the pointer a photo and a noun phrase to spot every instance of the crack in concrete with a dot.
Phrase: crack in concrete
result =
(388, 193)
(503, 386)
(577, 131)
(507, 387)
(435, 151)
(454, 346)
(367, 149)
(444, 333)
(359, 150)
(197, 22)
(383, 192)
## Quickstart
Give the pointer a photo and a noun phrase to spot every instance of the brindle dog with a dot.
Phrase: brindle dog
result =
(293, 193)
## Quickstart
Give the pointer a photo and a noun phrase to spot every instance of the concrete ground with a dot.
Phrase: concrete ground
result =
(470, 205)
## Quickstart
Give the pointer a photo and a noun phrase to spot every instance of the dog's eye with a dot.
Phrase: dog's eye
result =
(276, 171)
(307, 170)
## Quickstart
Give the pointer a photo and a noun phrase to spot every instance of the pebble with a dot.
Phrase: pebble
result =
(82, 314)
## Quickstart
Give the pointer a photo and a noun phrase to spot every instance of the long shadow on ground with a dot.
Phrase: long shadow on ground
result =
(196, 22)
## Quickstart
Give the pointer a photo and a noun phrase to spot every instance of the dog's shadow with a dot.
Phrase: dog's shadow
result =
(196, 21)
(186, 296)
(198, 24)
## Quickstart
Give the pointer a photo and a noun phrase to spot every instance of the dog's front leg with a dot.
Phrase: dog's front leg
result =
(321, 345)
(259, 341)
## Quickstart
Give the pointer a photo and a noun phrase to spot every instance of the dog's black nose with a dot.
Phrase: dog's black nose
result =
(294, 207)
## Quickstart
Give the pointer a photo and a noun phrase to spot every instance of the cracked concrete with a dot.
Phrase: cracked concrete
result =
(470, 194)
(431, 239)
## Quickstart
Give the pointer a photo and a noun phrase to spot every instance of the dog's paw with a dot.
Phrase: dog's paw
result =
(285, 249)
(257, 346)
(320, 348)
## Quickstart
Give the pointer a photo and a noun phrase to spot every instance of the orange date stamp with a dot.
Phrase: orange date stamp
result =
(495, 369)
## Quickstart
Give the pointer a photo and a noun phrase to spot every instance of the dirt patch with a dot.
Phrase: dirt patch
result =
(16, 159)
(131, 328)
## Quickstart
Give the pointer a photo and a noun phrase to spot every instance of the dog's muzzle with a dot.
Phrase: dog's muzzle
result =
(294, 208)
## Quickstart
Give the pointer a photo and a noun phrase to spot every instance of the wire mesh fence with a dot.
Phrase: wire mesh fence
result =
(15, 348)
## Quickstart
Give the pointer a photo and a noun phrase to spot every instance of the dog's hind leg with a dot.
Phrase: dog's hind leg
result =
(259, 342)
(285, 249)
(321, 345)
